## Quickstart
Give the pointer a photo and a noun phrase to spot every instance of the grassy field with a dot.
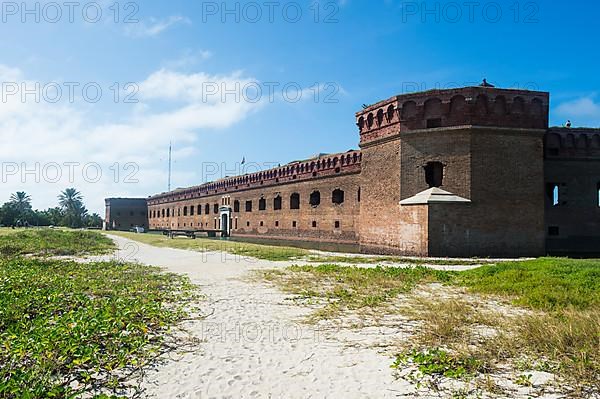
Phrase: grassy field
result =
(70, 330)
(284, 253)
(264, 252)
(545, 283)
(350, 288)
(377, 260)
(48, 242)
(559, 330)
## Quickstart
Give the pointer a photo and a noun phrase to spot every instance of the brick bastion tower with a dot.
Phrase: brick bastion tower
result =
(472, 171)
(454, 173)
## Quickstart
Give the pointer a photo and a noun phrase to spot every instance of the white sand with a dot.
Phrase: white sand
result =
(254, 345)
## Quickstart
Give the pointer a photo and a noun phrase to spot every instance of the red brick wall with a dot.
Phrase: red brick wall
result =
(490, 142)
(572, 160)
(277, 223)
(125, 213)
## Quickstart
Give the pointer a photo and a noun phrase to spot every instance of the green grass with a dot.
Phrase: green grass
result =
(47, 242)
(71, 330)
(264, 252)
(351, 287)
(62, 322)
(565, 325)
(541, 284)
(283, 253)
(561, 327)
(373, 260)
(545, 283)
(438, 362)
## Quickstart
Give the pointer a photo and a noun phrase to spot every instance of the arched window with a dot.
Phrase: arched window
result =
(185, 211)
(337, 197)
(433, 108)
(518, 105)
(358, 195)
(500, 106)
(277, 203)
(248, 206)
(370, 120)
(380, 117)
(457, 106)
(199, 209)
(481, 104)
(554, 193)
(216, 208)
(206, 209)
(163, 213)
(262, 204)
(409, 110)
(192, 210)
(537, 107)
(315, 198)
(295, 201)
(361, 123)
(434, 174)
(236, 206)
(390, 113)
(168, 213)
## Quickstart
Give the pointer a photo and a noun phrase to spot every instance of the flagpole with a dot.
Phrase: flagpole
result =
(170, 166)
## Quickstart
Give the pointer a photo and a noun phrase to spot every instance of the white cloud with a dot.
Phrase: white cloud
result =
(154, 26)
(37, 134)
(581, 111)
(196, 87)
(189, 59)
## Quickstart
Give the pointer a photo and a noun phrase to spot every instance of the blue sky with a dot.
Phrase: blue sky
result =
(355, 52)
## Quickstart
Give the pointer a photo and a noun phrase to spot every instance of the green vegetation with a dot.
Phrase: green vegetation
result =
(350, 287)
(71, 330)
(439, 362)
(52, 242)
(559, 327)
(68, 328)
(545, 283)
(373, 260)
(283, 253)
(71, 212)
(258, 251)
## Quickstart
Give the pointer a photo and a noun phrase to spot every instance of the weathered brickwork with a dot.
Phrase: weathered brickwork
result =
(488, 152)
(572, 191)
(125, 213)
(334, 179)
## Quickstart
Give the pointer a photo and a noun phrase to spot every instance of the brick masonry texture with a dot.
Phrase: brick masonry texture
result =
(125, 213)
(487, 145)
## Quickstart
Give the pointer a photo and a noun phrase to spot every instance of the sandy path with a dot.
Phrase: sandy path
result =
(253, 345)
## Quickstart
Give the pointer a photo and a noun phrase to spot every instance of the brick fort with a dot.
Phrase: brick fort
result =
(473, 171)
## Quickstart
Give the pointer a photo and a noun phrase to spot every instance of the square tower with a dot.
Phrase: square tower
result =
(454, 172)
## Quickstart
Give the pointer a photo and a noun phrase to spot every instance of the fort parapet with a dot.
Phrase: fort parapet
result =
(469, 106)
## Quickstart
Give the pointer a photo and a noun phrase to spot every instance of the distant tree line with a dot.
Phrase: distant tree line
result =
(70, 212)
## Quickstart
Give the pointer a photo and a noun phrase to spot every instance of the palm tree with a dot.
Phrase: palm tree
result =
(21, 203)
(21, 200)
(71, 201)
